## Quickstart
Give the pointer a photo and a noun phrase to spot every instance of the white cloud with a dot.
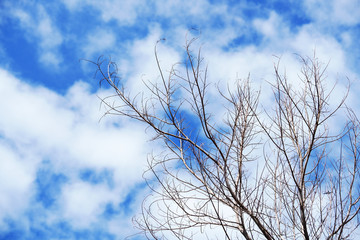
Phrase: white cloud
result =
(50, 59)
(99, 41)
(183, 9)
(83, 203)
(140, 63)
(16, 177)
(65, 130)
(124, 12)
(334, 12)
(48, 32)
(347, 11)
(71, 4)
(40, 28)
(32, 113)
(271, 27)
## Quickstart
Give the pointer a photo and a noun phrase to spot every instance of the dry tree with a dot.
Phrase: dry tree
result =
(210, 175)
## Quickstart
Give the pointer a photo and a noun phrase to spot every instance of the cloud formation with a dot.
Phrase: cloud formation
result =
(64, 174)
(50, 140)
(39, 28)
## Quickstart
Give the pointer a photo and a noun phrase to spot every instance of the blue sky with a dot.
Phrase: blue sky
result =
(64, 174)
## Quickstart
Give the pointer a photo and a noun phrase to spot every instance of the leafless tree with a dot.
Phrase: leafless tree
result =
(304, 185)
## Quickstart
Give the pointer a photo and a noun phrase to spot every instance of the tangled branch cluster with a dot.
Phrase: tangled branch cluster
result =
(205, 179)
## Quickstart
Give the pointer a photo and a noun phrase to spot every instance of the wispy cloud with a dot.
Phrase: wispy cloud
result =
(123, 12)
(98, 42)
(334, 12)
(39, 28)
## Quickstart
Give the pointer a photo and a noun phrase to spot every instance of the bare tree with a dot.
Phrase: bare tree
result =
(304, 186)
